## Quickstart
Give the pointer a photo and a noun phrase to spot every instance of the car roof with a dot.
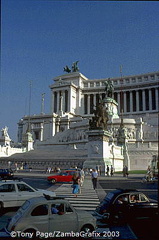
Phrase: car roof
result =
(120, 191)
(44, 200)
(11, 181)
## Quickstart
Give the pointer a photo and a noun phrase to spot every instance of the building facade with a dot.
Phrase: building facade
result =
(74, 97)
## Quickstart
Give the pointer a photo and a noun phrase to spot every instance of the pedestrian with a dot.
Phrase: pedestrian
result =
(82, 175)
(111, 170)
(76, 184)
(124, 171)
(107, 170)
(94, 178)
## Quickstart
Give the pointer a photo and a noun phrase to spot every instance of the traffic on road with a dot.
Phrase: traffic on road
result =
(107, 185)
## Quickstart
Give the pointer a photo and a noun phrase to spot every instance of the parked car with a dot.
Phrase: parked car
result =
(64, 176)
(14, 193)
(6, 173)
(38, 216)
(126, 205)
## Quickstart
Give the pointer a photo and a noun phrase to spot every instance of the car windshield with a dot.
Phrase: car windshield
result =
(63, 174)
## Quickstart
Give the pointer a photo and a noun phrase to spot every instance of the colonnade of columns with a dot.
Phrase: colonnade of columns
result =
(129, 101)
(60, 101)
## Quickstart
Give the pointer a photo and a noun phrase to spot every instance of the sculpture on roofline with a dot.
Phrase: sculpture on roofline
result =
(5, 132)
(67, 69)
(74, 68)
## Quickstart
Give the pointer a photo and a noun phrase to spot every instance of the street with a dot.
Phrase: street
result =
(143, 229)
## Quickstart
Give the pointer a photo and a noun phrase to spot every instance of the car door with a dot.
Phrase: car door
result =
(25, 192)
(8, 195)
(137, 206)
(65, 222)
(142, 208)
(120, 205)
(39, 218)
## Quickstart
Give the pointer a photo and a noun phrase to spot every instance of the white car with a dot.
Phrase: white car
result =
(14, 193)
(40, 216)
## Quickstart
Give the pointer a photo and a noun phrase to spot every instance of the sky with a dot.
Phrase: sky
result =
(40, 37)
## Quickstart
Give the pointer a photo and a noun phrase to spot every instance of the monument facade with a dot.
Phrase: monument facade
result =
(73, 100)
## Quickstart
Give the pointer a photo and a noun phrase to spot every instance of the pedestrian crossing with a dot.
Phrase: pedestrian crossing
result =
(86, 200)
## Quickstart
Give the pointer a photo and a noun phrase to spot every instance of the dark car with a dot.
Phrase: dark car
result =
(6, 173)
(64, 176)
(126, 205)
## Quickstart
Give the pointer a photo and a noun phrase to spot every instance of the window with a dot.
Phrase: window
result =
(134, 198)
(7, 188)
(143, 198)
(68, 209)
(140, 79)
(85, 84)
(58, 208)
(24, 188)
(40, 210)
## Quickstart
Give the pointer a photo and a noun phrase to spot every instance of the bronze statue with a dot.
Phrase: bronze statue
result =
(74, 68)
(67, 69)
(109, 88)
(100, 119)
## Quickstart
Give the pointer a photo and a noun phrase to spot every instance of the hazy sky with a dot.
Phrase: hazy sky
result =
(40, 37)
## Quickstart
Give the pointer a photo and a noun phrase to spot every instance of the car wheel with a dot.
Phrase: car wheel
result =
(53, 181)
(87, 228)
(117, 218)
(30, 230)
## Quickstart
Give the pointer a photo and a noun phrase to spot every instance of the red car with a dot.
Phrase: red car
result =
(64, 176)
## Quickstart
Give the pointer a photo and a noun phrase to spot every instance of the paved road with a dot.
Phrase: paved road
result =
(88, 199)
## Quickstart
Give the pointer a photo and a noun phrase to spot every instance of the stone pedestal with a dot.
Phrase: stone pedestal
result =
(112, 108)
(28, 141)
(98, 149)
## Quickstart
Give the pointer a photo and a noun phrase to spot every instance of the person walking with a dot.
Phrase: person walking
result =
(126, 171)
(107, 170)
(111, 171)
(82, 175)
(76, 184)
(94, 178)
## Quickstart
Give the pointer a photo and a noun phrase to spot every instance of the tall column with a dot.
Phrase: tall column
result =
(157, 99)
(131, 102)
(52, 102)
(125, 103)
(64, 101)
(69, 102)
(143, 100)
(58, 101)
(118, 100)
(137, 101)
(88, 104)
(94, 100)
(150, 99)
